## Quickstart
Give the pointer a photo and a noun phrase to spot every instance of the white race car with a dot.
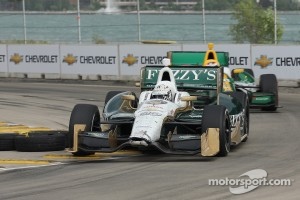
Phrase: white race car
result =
(163, 118)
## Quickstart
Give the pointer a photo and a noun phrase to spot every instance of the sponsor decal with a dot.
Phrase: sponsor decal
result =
(16, 58)
(41, 58)
(151, 60)
(97, 59)
(288, 61)
(95, 134)
(238, 61)
(263, 61)
(261, 98)
(249, 181)
(152, 108)
(195, 116)
(236, 118)
(70, 59)
(187, 74)
(161, 87)
(2, 58)
(153, 114)
(156, 102)
(186, 137)
(130, 59)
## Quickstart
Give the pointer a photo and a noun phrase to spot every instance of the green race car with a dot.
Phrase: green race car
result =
(264, 95)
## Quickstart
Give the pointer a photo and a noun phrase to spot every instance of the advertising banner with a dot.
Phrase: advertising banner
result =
(89, 60)
(33, 58)
(284, 61)
(3, 59)
(133, 57)
(127, 59)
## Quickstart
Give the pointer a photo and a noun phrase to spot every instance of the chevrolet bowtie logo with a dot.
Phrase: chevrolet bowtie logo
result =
(70, 59)
(16, 58)
(263, 61)
(130, 59)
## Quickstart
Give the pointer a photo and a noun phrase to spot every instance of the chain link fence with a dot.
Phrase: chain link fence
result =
(78, 24)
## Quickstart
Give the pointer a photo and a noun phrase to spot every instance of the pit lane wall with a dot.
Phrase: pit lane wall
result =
(123, 61)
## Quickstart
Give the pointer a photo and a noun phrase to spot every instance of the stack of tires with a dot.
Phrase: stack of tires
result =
(35, 141)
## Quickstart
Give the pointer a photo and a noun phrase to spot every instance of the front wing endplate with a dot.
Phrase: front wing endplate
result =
(210, 143)
(78, 128)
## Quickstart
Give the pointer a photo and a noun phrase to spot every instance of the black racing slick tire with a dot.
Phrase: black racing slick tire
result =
(216, 116)
(41, 141)
(83, 114)
(7, 141)
(268, 83)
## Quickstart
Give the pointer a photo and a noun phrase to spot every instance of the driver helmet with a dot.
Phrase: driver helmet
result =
(163, 90)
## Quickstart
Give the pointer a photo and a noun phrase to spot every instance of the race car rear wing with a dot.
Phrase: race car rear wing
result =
(198, 58)
(191, 77)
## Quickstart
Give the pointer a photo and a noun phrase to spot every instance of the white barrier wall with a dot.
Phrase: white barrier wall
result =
(33, 59)
(3, 59)
(89, 60)
(133, 57)
(284, 61)
(123, 61)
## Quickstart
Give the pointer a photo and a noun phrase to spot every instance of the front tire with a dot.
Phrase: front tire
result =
(216, 116)
(83, 114)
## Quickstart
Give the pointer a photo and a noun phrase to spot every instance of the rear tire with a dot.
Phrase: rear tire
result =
(268, 83)
(216, 116)
(83, 114)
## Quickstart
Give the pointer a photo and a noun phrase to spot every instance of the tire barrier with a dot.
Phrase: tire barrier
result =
(30, 139)
(7, 141)
(41, 141)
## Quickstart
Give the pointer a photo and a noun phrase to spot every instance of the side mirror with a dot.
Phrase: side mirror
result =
(188, 98)
(128, 97)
